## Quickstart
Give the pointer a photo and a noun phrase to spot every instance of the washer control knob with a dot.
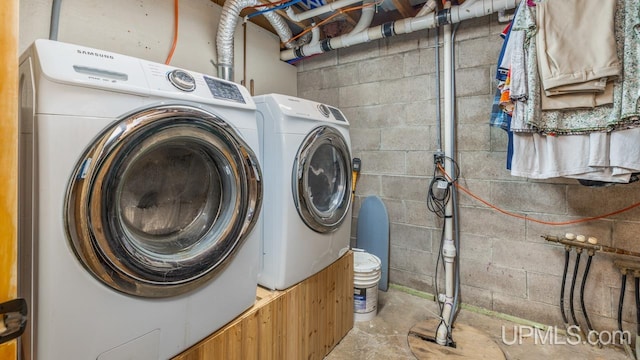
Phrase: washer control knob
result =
(324, 110)
(182, 80)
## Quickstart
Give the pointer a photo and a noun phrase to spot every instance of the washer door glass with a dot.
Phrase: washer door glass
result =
(322, 179)
(162, 200)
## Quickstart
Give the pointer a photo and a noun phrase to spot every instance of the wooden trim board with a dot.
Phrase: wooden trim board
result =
(305, 321)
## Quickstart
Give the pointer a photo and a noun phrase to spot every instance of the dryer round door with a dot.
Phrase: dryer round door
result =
(161, 200)
(322, 179)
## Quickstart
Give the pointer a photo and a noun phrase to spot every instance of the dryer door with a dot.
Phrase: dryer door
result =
(322, 179)
(162, 200)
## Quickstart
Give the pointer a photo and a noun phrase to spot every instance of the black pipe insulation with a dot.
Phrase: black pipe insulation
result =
(443, 17)
(564, 280)
(388, 29)
(626, 341)
(621, 300)
(326, 45)
(573, 287)
(584, 281)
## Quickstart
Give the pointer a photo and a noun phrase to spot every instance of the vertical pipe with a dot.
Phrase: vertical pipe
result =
(454, 190)
(55, 19)
(449, 250)
(244, 54)
(438, 117)
(637, 290)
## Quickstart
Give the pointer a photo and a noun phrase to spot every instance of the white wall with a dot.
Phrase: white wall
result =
(144, 29)
(140, 28)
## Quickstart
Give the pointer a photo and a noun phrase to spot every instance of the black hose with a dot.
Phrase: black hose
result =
(564, 279)
(621, 301)
(573, 287)
(584, 281)
(637, 281)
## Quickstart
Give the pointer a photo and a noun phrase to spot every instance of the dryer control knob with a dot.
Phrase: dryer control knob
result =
(182, 80)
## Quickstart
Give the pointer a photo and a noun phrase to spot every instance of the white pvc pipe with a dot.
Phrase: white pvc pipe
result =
(468, 10)
(366, 17)
(315, 36)
(319, 10)
(448, 249)
(479, 8)
(429, 7)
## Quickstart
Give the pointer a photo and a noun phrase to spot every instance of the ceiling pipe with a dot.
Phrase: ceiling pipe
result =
(428, 7)
(315, 35)
(456, 14)
(227, 26)
(366, 17)
(319, 10)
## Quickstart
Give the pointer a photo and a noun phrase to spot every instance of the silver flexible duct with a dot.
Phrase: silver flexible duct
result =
(227, 26)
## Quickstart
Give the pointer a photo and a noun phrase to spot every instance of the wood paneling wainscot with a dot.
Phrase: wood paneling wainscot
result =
(305, 321)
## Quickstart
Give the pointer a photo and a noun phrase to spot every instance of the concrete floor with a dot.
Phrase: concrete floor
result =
(385, 337)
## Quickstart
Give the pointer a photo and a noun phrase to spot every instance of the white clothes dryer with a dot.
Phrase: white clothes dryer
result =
(306, 157)
(140, 186)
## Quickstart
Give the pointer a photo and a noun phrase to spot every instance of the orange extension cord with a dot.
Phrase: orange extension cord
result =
(175, 32)
(553, 223)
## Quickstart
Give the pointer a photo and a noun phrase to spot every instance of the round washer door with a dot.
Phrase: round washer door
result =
(322, 179)
(162, 200)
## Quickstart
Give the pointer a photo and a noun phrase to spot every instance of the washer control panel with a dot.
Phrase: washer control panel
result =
(224, 90)
(324, 110)
(182, 80)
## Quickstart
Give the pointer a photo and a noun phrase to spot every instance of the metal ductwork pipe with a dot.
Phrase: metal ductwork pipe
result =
(227, 26)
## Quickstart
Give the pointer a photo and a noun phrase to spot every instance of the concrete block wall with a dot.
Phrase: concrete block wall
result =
(387, 90)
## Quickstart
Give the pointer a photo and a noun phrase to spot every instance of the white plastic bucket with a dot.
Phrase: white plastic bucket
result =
(366, 275)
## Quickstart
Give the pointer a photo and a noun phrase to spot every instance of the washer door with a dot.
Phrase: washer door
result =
(322, 179)
(162, 200)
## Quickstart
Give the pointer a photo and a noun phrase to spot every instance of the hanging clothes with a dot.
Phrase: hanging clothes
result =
(600, 144)
(576, 45)
(573, 121)
(630, 112)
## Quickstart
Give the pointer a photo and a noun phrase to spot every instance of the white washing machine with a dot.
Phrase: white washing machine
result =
(306, 157)
(140, 186)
